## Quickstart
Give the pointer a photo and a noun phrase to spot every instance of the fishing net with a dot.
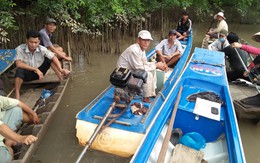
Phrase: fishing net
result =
(211, 96)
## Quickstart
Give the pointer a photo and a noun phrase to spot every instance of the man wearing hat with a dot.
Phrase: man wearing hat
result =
(221, 25)
(134, 58)
(184, 26)
(46, 34)
(169, 50)
(220, 43)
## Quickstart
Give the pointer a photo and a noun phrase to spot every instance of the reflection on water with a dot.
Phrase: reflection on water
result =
(60, 143)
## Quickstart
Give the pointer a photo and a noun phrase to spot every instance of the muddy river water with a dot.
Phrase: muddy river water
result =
(89, 79)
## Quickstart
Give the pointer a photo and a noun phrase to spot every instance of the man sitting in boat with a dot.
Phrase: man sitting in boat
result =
(134, 58)
(221, 25)
(12, 114)
(46, 34)
(237, 67)
(184, 26)
(220, 43)
(254, 100)
(169, 50)
(33, 61)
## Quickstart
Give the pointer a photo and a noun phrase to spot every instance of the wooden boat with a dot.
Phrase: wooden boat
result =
(31, 95)
(205, 72)
(207, 40)
(124, 135)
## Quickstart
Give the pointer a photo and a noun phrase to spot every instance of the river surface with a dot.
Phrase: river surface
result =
(90, 77)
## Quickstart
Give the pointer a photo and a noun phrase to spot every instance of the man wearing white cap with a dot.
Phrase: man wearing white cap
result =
(221, 25)
(134, 58)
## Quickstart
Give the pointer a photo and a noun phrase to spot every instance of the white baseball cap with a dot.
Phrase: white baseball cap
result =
(144, 34)
(220, 14)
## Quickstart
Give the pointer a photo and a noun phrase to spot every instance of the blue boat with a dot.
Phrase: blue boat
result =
(124, 135)
(205, 72)
(6, 59)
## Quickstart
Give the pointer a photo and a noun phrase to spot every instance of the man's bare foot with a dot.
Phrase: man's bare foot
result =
(17, 96)
(146, 99)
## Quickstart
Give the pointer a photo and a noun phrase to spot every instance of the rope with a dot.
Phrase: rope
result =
(160, 93)
(203, 62)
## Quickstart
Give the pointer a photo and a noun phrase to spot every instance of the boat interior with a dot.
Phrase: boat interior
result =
(213, 131)
(128, 120)
(31, 93)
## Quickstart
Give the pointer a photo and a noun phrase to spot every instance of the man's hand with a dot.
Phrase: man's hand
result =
(246, 73)
(236, 45)
(36, 119)
(68, 58)
(169, 57)
(39, 73)
(28, 139)
(162, 66)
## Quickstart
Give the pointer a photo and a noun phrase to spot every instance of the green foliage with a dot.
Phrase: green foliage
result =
(89, 16)
(6, 19)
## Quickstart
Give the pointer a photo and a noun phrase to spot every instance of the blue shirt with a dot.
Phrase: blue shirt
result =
(45, 38)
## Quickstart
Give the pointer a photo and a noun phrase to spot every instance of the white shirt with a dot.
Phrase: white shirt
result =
(222, 24)
(217, 45)
(134, 58)
(36, 59)
(164, 47)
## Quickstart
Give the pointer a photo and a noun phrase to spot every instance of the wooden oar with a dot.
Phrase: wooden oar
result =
(245, 67)
(167, 137)
(69, 53)
(210, 25)
(9, 94)
(96, 132)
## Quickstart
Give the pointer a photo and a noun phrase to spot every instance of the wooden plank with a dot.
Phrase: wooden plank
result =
(31, 96)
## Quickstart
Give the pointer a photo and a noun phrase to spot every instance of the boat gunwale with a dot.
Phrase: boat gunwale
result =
(42, 132)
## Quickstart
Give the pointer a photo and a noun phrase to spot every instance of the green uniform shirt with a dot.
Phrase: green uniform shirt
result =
(5, 104)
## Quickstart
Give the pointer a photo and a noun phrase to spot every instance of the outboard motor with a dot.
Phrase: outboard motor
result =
(127, 84)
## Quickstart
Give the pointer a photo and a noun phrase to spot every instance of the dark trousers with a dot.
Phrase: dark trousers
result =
(28, 75)
(235, 74)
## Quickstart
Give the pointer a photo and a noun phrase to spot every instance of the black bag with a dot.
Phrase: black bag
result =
(141, 74)
(120, 77)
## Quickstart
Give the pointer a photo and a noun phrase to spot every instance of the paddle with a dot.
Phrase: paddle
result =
(9, 94)
(96, 132)
(210, 25)
(245, 67)
(167, 137)
(69, 53)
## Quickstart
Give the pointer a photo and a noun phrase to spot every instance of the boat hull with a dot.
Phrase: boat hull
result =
(111, 140)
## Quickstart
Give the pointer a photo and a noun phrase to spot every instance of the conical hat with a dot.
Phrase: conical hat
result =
(256, 37)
